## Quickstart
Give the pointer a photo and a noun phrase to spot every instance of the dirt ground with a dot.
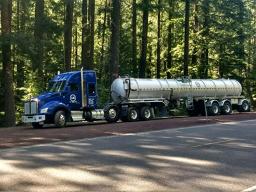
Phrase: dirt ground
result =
(26, 135)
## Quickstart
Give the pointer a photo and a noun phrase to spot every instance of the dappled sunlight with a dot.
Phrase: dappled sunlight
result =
(195, 138)
(184, 160)
(158, 147)
(118, 153)
(242, 145)
(75, 175)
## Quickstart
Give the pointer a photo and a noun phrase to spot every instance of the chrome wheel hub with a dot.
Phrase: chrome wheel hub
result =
(112, 113)
(134, 114)
(62, 119)
(147, 113)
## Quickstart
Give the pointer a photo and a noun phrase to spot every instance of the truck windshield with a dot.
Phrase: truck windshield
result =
(56, 86)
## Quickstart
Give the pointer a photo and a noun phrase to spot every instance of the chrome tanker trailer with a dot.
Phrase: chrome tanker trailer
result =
(135, 99)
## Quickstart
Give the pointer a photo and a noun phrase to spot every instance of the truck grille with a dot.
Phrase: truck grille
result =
(30, 108)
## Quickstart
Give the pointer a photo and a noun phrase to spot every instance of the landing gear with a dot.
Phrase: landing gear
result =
(111, 113)
(60, 119)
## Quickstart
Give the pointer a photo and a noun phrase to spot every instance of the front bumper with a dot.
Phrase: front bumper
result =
(33, 118)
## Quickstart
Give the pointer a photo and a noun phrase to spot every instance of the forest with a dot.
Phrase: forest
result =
(139, 38)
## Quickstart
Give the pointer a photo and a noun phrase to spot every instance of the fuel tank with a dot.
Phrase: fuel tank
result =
(134, 89)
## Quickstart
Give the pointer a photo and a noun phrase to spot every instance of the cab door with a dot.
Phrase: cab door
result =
(73, 98)
(91, 95)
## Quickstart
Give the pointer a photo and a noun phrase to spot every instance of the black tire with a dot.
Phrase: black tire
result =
(60, 119)
(145, 113)
(111, 114)
(133, 114)
(88, 116)
(244, 107)
(226, 109)
(214, 109)
(37, 125)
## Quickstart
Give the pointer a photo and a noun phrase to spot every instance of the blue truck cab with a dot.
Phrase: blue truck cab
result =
(71, 96)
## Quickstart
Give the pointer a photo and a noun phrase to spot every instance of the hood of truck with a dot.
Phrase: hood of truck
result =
(47, 97)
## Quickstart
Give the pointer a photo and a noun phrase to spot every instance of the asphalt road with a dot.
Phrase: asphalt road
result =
(219, 157)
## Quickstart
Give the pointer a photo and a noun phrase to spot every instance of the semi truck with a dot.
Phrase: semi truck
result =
(73, 96)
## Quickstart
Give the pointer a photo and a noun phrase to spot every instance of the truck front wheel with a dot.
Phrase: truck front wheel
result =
(111, 114)
(60, 119)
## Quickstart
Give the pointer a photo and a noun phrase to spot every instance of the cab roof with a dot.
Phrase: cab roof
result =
(68, 75)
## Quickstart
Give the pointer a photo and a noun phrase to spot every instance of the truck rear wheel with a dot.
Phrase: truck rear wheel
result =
(245, 107)
(133, 114)
(214, 109)
(111, 113)
(145, 113)
(227, 108)
(60, 119)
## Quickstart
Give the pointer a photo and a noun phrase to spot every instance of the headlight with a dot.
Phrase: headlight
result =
(44, 110)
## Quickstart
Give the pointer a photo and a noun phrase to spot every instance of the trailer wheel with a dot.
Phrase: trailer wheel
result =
(133, 114)
(37, 125)
(111, 114)
(245, 107)
(60, 119)
(145, 113)
(227, 108)
(214, 109)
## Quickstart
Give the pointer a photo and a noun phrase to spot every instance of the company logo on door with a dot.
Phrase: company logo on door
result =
(72, 98)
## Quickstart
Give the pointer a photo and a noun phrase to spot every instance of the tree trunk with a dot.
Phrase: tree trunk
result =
(241, 37)
(196, 13)
(103, 41)
(9, 104)
(115, 39)
(134, 37)
(170, 39)
(88, 17)
(37, 63)
(186, 38)
(20, 65)
(85, 51)
(203, 70)
(91, 13)
(143, 59)
(69, 4)
(158, 62)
